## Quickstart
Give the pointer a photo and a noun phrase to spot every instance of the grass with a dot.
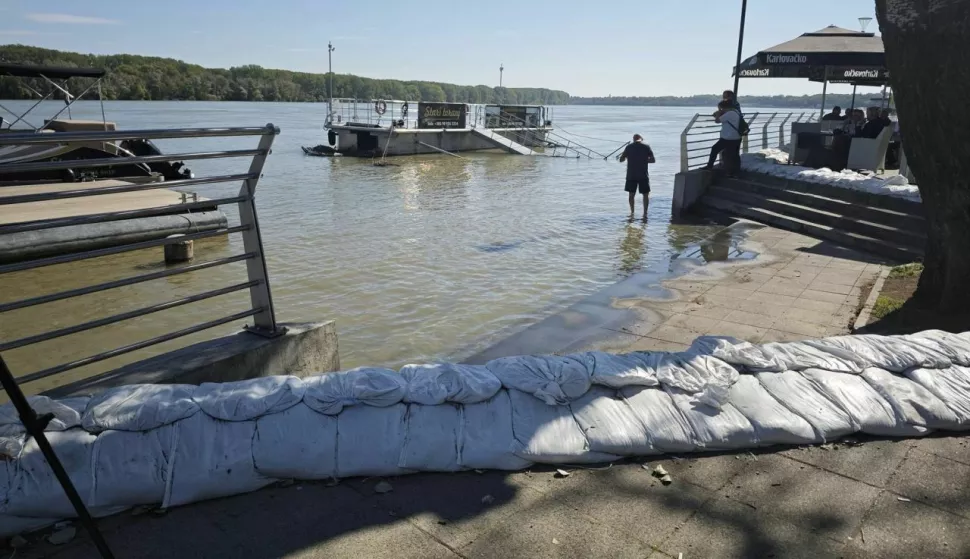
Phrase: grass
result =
(896, 312)
(885, 306)
(906, 271)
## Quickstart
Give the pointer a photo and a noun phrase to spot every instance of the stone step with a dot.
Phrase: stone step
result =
(714, 204)
(848, 195)
(883, 231)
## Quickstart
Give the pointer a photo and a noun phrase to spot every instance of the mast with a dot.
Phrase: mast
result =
(330, 50)
(501, 70)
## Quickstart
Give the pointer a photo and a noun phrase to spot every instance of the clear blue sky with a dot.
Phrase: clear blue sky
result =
(620, 47)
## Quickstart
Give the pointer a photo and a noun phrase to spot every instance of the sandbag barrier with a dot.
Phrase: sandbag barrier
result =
(171, 445)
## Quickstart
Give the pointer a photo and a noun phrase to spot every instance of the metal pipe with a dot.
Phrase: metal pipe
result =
(81, 193)
(134, 347)
(108, 161)
(825, 86)
(441, 150)
(616, 150)
(25, 303)
(737, 64)
(155, 134)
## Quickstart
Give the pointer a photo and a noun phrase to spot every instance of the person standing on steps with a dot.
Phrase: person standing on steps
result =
(638, 157)
(731, 98)
(729, 145)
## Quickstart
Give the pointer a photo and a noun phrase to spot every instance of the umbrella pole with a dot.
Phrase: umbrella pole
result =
(825, 86)
(737, 64)
(853, 96)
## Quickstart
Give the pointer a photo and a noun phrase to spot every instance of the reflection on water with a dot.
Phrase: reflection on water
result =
(413, 261)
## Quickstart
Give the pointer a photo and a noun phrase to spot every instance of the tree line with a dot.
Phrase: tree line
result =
(766, 101)
(132, 77)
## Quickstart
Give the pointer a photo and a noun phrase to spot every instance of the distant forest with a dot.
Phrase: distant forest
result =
(132, 77)
(761, 101)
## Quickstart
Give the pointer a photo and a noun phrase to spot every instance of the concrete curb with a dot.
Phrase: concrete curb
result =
(863, 319)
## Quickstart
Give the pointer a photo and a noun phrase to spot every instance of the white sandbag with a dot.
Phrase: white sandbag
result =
(714, 429)
(11, 446)
(213, 458)
(773, 423)
(667, 430)
(798, 356)
(738, 353)
(139, 407)
(911, 402)
(870, 412)
(549, 434)
(617, 371)
(952, 386)
(952, 346)
(297, 443)
(66, 415)
(34, 490)
(16, 525)
(610, 425)
(707, 378)
(804, 399)
(889, 353)
(487, 438)
(248, 399)
(131, 468)
(432, 438)
(332, 392)
(370, 440)
(553, 379)
(447, 382)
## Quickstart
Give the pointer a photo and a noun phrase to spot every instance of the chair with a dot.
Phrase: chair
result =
(904, 169)
(795, 154)
(870, 154)
(829, 125)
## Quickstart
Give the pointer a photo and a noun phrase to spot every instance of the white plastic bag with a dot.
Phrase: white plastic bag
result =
(706, 378)
(248, 399)
(667, 430)
(911, 402)
(738, 353)
(370, 440)
(773, 423)
(66, 416)
(889, 353)
(139, 407)
(798, 356)
(487, 438)
(714, 429)
(870, 412)
(950, 385)
(617, 371)
(213, 458)
(447, 382)
(332, 392)
(296, 443)
(553, 379)
(549, 434)
(804, 399)
(610, 425)
(34, 490)
(131, 468)
(432, 438)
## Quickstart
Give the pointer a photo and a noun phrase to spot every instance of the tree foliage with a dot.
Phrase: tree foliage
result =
(132, 77)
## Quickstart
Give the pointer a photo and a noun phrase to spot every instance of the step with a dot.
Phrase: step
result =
(843, 238)
(854, 196)
(898, 220)
(881, 231)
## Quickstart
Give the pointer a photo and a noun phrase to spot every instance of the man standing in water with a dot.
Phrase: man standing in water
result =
(638, 157)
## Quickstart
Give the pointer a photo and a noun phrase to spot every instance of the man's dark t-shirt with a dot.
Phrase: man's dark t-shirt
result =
(637, 157)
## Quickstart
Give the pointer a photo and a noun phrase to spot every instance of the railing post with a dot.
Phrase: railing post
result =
(264, 322)
(744, 139)
(764, 131)
(781, 129)
(683, 143)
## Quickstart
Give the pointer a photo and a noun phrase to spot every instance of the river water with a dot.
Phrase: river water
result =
(433, 258)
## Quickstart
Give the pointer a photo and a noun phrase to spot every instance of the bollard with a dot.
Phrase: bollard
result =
(181, 251)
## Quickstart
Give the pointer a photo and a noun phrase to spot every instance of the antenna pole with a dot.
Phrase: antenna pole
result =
(501, 70)
(330, 50)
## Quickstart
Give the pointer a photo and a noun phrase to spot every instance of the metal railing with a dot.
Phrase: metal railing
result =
(767, 130)
(257, 280)
(522, 132)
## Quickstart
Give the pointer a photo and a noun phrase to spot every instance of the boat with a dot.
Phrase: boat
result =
(56, 80)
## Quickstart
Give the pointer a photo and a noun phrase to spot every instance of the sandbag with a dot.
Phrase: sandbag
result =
(951, 385)
(297, 443)
(66, 415)
(131, 468)
(432, 438)
(330, 393)
(213, 458)
(666, 428)
(870, 412)
(804, 399)
(34, 490)
(610, 426)
(738, 353)
(798, 356)
(549, 434)
(370, 440)
(11, 446)
(139, 407)
(911, 402)
(617, 371)
(773, 423)
(487, 438)
(714, 429)
(953, 346)
(248, 399)
(447, 382)
(889, 353)
(707, 378)
(553, 379)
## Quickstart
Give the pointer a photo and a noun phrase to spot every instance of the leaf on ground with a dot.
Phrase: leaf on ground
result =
(562, 473)
(383, 487)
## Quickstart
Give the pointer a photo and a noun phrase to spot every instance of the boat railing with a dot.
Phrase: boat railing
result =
(361, 111)
(557, 145)
(767, 130)
(256, 282)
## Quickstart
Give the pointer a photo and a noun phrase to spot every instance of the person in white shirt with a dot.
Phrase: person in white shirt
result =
(729, 145)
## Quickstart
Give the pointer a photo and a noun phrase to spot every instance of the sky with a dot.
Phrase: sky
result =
(621, 47)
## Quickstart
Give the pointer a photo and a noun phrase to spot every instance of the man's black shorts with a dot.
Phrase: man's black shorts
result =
(632, 184)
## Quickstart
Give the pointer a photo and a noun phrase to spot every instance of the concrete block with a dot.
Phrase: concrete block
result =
(894, 528)
(935, 481)
(306, 349)
(688, 189)
(872, 462)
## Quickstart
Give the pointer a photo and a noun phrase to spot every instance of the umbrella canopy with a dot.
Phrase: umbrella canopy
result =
(832, 54)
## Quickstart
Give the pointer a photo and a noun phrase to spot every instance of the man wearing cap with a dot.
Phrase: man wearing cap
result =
(638, 157)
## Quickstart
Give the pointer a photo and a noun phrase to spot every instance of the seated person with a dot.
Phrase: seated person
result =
(853, 123)
(836, 114)
(873, 126)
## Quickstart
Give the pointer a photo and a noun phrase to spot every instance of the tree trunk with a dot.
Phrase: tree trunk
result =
(927, 52)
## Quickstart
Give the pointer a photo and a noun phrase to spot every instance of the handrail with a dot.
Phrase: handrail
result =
(701, 133)
(253, 255)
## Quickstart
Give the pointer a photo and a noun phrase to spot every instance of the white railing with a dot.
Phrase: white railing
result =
(767, 130)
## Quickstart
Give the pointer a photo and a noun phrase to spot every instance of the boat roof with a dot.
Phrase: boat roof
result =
(51, 72)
